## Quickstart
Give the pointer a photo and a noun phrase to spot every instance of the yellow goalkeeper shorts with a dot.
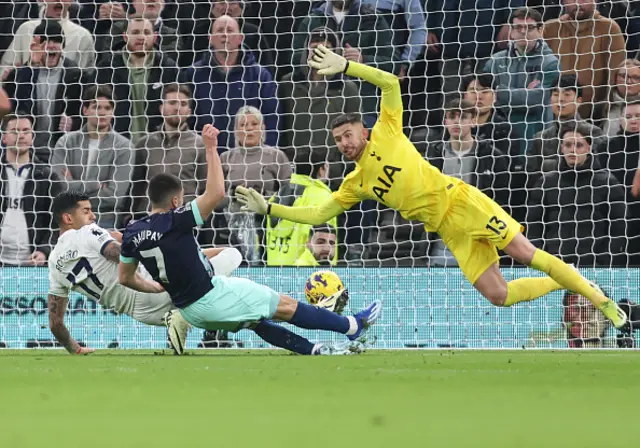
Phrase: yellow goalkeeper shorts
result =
(474, 228)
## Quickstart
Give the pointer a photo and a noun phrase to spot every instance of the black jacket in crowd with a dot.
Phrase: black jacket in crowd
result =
(116, 74)
(622, 158)
(40, 187)
(491, 173)
(497, 130)
(21, 86)
(578, 214)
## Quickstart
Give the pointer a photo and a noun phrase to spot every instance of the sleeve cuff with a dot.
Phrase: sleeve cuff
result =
(196, 213)
(127, 260)
(104, 245)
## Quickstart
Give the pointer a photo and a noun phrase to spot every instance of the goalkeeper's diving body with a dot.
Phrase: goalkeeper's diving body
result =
(390, 170)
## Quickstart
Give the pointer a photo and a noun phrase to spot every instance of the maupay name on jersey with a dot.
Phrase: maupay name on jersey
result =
(146, 235)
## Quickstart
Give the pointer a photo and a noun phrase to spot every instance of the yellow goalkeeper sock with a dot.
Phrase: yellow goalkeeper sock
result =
(567, 276)
(527, 289)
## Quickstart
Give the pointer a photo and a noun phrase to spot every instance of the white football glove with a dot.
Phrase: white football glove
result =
(252, 200)
(327, 62)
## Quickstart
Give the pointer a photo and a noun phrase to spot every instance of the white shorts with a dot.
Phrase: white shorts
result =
(150, 308)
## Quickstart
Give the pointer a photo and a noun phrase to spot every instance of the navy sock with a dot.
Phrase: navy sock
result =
(281, 337)
(312, 318)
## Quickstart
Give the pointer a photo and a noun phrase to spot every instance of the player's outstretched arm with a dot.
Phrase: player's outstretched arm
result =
(128, 276)
(329, 63)
(57, 308)
(5, 103)
(254, 202)
(214, 190)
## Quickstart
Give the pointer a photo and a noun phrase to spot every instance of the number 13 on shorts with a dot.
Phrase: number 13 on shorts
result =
(497, 226)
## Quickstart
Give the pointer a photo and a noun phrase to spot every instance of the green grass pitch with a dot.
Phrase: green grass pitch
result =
(222, 399)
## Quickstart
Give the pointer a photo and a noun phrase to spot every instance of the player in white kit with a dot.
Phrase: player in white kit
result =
(85, 260)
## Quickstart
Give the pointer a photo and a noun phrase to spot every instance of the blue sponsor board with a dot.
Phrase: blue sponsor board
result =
(423, 307)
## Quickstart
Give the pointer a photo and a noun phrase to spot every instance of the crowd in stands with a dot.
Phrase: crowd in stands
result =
(534, 102)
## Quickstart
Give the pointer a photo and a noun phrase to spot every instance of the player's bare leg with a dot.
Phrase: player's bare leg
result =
(562, 276)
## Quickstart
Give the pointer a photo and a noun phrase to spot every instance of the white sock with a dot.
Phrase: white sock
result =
(353, 326)
(315, 348)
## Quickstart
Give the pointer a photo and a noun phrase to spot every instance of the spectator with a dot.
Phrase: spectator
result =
(625, 89)
(26, 188)
(286, 240)
(524, 73)
(321, 247)
(623, 160)
(578, 213)
(12, 15)
(407, 21)
(364, 37)
(464, 34)
(78, 42)
(477, 163)
(566, 96)
(491, 124)
(311, 101)
(168, 43)
(48, 88)
(173, 148)
(98, 16)
(585, 324)
(96, 159)
(253, 165)
(228, 78)
(590, 45)
(137, 75)
(253, 40)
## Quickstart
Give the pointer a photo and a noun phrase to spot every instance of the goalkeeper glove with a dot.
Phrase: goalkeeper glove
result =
(252, 201)
(327, 62)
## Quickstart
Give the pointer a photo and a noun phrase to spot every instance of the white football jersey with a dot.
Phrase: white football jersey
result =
(77, 264)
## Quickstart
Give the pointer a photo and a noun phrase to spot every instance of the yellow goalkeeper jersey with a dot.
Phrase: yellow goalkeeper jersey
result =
(391, 170)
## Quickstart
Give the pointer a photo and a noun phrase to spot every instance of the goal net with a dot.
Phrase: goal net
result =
(536, 104)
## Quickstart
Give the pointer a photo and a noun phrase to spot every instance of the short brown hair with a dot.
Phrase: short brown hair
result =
(176, 88)
(526, 13)
(579, 128)
(97, 91)
(460, 107)
(11, 117)
(348, 118)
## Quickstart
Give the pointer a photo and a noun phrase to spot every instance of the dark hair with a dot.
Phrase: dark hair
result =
(568, 82)
(176, 88)
(579, 127)
(323, 228)
(162, 187)
(348, 118)
(323, 34)
(483, 79)
(11, 117)
(526, 13)
(66, 202)
(308, 161)
(94, 92)
(460, 107)
(49, 30)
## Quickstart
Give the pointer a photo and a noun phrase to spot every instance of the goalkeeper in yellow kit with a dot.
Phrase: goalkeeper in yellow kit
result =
(390, 170)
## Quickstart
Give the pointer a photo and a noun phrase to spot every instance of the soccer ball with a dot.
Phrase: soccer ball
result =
(324, 289)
